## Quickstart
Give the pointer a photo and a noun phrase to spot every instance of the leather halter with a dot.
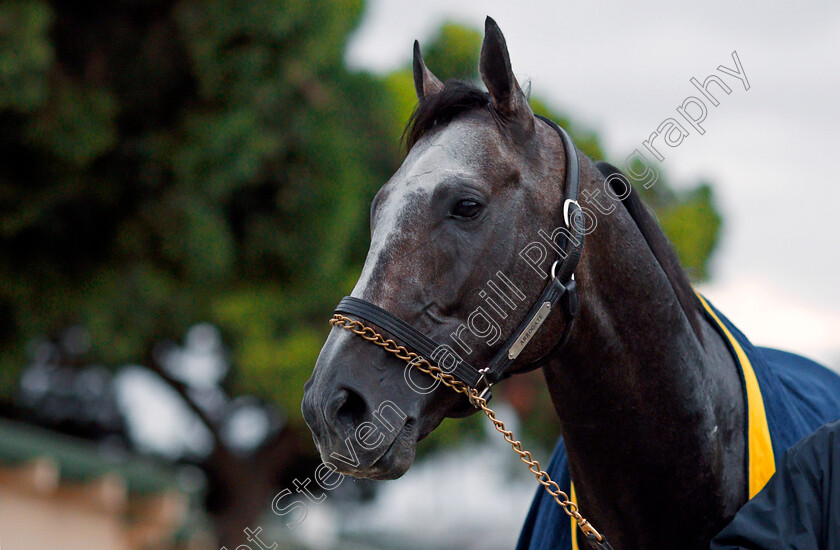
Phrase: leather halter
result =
(561, 289)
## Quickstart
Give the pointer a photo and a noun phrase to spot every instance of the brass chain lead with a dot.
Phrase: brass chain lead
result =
(551, 487)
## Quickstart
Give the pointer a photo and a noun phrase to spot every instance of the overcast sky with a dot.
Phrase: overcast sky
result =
(622, 69)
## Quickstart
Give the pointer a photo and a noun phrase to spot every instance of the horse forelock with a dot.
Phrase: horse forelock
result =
(455, 98)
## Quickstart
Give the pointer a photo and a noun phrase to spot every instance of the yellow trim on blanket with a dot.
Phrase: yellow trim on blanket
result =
(762, 464)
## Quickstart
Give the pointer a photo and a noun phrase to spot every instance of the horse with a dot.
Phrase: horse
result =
(648, 379)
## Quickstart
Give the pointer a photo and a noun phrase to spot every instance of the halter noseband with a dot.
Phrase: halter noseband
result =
(561, 289)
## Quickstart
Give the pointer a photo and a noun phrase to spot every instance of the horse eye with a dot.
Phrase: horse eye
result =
(466, 209)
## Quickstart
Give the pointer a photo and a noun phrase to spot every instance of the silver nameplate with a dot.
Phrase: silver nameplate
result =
(529, 331)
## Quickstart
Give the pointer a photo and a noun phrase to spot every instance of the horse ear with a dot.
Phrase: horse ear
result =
(496, 73)
(425, 83)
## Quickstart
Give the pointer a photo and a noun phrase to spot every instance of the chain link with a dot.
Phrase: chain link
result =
(551, 487)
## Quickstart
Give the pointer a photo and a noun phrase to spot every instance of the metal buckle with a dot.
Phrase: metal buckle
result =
(554, 270)
(566, 206)
(485, 393)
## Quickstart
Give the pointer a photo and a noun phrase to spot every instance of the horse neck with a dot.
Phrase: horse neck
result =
(646, 406)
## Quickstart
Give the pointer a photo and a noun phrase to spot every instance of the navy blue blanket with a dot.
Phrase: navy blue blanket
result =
(796, 397)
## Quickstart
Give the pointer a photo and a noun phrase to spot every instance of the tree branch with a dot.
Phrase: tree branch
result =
(183, 390)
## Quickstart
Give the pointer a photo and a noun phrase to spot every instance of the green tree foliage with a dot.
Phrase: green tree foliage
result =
(170, 162)
(25, 55)
(690, 220)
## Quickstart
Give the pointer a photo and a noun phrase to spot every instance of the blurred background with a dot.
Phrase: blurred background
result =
(184, 198)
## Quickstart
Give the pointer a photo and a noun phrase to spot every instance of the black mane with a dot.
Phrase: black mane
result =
(456, 97)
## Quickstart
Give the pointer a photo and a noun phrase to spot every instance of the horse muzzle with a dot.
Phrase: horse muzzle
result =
(355, 437)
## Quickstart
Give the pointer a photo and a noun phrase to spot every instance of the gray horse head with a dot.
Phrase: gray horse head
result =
(480, 178)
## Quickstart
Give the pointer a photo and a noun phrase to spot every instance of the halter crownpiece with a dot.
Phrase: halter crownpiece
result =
(561, 289)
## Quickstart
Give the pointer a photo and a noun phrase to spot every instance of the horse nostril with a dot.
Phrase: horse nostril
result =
(351, 408)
